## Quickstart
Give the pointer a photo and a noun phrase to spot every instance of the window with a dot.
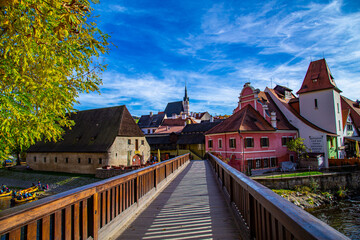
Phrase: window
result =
(291, 158)
(232, 143)
(285, 140)
(34, 159)
(264, 142)
(266, 162)
(210, 143)
(129, 141)
(89, 160)
(338, 107)
(136, 144)
(273, 162)
(79, 160)
(339, 125)
(249, 142)
(44, 159)
(55, 159)
(316, 103)
(142, 142)
(100, 160)
(250, 163)
(220, 143)
(349, 127)
(258, 163)
(66, 160)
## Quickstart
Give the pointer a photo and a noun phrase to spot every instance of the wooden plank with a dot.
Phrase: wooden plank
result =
(117, 200)
(96, 217)
(32, 230)
(84, 224)
(274, 228)
(45, 228)
(15, 234)
(57, 225)
(76, 221)
(113, 203)
(103, 209)
(108, 204)
(68, 223)
(121, 198)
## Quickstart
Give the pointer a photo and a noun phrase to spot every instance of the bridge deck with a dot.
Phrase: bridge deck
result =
(191, 207)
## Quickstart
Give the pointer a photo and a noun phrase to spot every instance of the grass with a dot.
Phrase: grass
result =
(300, 174)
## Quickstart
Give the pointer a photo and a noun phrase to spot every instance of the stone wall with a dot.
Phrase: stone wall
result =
(85, 163)
(327, 181)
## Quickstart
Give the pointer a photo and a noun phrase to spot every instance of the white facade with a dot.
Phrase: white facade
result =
(314, 139)
(323, 109)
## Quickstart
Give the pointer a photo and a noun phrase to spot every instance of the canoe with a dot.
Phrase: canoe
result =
(25, 199)
(6, 194)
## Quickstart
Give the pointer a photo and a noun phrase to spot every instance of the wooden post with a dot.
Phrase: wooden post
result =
(96, 216)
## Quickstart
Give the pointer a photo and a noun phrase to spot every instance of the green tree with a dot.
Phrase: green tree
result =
(49, 53)
(297, 145)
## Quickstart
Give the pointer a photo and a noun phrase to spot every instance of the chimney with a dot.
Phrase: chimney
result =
(151, 114)
(273, 119)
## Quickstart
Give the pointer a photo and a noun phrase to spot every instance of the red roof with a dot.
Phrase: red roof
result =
(354, 110)
(318, 77)
(247, 119)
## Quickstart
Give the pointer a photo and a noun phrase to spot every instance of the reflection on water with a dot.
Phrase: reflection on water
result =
(344, 217)
(5, 203)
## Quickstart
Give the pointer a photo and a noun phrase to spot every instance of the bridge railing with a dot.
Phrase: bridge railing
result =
(262, 214)
(94, 210)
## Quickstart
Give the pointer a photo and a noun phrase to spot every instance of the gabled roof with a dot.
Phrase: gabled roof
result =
(174, 107)
(247, 119)
(199, 127)
(294, 112)
(354, 110)
(147, 121)
(169, 129)
(94, 131)
(345, 114)
(318, 77)
(174, 122)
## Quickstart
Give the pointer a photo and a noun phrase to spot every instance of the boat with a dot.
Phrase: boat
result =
(24, 199)
(5, 194)
(29, 190)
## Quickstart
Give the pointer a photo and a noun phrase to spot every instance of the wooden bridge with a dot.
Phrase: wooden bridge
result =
(175, 199)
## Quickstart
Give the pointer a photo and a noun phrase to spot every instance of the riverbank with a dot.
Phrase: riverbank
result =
(19, 178)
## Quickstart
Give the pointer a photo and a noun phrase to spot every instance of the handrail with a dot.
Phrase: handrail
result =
(262, 213)
(82, 212)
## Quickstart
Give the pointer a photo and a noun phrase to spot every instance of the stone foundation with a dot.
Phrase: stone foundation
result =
(327, 181)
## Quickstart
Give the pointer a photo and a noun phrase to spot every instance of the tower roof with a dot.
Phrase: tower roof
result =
(318, 77)
(186, 98)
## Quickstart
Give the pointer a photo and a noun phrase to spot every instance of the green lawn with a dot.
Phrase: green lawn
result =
(300, 174)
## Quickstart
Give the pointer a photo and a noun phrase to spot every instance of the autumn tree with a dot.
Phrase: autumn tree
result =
(49, 53)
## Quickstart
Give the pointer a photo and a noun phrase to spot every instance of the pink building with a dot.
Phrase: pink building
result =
(255, 136)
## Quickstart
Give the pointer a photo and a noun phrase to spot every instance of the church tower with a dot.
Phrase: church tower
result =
(186, 103)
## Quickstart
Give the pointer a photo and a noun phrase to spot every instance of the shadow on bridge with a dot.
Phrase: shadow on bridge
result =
(190, 207)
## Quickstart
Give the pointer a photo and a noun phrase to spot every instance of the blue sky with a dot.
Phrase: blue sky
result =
(217, 46)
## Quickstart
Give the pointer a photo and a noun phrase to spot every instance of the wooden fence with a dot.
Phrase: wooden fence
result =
(345, 161)
(92, 211)
(262, 214)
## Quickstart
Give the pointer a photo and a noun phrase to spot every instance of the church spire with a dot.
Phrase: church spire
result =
(186, 102)
(186, 98)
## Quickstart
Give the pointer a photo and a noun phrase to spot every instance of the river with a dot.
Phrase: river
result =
(344, 216)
